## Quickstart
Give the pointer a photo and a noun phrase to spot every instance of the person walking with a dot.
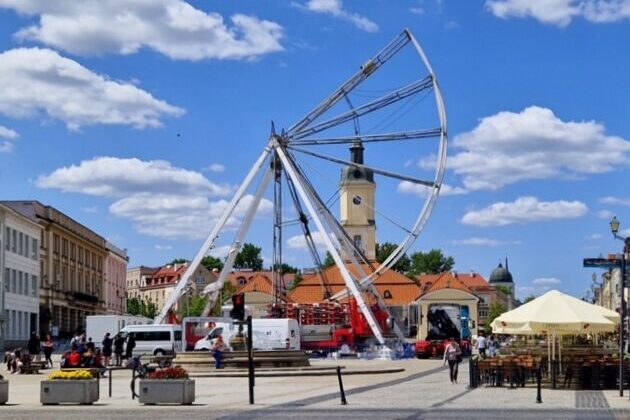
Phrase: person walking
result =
(482, 344)
(107, 349)
(119, 343)
(48, 346)
(131, 344)
(217, 351)
(34, 346)
(453, 355)
(492, 346)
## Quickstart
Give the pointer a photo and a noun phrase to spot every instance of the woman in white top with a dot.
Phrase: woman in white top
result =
(452, 355)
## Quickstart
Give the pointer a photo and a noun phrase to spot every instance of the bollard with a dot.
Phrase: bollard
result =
(554, 372)
(110, 382)
(538, 385)
(250, 359)
(343, 394)
(472, 377)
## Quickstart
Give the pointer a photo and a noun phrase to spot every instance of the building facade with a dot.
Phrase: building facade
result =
(115, 289)
(134, 278)
(72, 268)
(156, 287)
(19, 278)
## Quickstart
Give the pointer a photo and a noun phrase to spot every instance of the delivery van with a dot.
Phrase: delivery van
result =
(96, 326)
(156, 339)
(267, 334)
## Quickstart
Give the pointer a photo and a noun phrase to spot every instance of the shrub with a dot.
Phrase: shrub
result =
(176, 372)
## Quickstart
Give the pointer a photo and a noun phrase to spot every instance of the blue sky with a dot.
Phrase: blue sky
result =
(140, 119)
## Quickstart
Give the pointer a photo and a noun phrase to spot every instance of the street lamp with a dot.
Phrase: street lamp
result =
(614, 228)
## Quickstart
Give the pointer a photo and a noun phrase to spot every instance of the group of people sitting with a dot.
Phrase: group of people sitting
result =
(18, 359)
(84, 353)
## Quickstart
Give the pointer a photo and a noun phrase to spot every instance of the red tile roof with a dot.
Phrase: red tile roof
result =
(448, 280)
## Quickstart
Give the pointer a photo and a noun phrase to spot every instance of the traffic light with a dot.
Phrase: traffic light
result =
(238, 306)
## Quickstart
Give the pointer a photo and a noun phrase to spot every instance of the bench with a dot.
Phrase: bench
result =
(29, 369)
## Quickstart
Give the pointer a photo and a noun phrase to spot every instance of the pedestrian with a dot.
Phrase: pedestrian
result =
(74, 358)
(34, 346)
(453, 355)
(119, 343)
(90, 345)
(481, 345)
(48, 346)
(492, 346)
(107, 349)
(217, 351)
(131, 344)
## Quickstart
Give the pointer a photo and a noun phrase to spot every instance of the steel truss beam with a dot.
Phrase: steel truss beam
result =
(208, 244)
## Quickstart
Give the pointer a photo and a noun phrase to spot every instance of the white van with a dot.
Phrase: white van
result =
(268, 334)
(98, 325)
(156, 339)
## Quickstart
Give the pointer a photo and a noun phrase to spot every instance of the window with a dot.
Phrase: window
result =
(34, 286)
(19, 289)
(387, 294)
(35, 249)
(7, 276)
(56, 243)
(7, 238)
(14, 241)
(64, 247)
(20, 243)
(13, 281)
(153, 336)
(358, 243)
(178, 336)
(27, 241)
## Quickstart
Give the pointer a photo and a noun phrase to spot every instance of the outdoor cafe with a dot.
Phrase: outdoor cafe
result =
(562, 339)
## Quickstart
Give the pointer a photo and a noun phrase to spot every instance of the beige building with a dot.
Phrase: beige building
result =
(114, 290)
(134, 278)
(156, 287)
(72, 264)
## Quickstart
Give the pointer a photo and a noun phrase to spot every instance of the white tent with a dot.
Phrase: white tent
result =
(556, 313)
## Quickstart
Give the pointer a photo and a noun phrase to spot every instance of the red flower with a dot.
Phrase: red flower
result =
(175, 372)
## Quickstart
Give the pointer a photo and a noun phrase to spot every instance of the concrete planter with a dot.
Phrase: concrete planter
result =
(167, 391)
(4, 391)
(57, 391)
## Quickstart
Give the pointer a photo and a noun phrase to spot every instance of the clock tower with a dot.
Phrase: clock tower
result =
(356, 191)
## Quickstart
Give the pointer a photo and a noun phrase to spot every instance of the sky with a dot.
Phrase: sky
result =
(140, 119)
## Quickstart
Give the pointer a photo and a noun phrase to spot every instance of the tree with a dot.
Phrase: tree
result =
(178, 261)
(328, 261)
(194, 306)
(385, 250)
(432, 262)
(150, 309)
(494, 311)
(136, 306)
(211, 263)
(249, 257)
(504, 289)
(296, 280)
(286, 268)
(227, 291)
(529, 298)
(133, 306)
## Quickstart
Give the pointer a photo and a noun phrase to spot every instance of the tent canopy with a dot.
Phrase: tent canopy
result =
(556, 311)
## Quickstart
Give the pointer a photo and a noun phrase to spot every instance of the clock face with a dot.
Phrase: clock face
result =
(357, 200)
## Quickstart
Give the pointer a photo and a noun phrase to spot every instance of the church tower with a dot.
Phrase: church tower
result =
(356, 191)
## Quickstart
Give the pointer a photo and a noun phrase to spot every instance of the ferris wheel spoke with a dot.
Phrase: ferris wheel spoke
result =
(366, 71)
(371, 168)
(391, 98)
(372, 138)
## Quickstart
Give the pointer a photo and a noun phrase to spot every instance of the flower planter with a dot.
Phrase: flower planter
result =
(58, 391)
(167, 391)
(4, 391)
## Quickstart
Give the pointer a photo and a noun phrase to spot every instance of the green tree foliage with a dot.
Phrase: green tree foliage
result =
(141, 307)
(194, 306)
(432, 262)
(178, 261)
(286, 268)
(211, 263)
(504, 289)
(529, 298)
(494, 311)
(249, 257)
(228, 290)
(328, 261)
(385, 250)
(296, 280)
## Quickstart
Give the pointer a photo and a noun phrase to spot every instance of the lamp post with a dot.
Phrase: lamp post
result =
(614, 228)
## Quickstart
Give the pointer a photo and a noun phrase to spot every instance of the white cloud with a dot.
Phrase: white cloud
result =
(119, 177)
(546, 281)
(171, 27)
(90, 209)
(158, 198)
(10, 136)
(219, 251)
(335, 9)
(605, 214)
(475, 241)
(509, 147)
(39, 81)
(561, 12)
(594, 237)
(615, 201)
(299, 242)
(179, 216)
(524, 210)
(408, 187)
(159, 247)
(216, 167)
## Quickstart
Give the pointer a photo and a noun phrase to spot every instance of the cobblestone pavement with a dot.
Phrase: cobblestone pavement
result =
(421, 391)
